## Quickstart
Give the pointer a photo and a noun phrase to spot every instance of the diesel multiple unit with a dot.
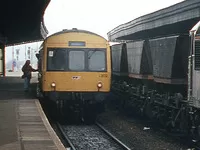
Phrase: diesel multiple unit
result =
(75, 72)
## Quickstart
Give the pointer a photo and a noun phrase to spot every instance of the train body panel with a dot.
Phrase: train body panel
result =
(194, 67)
(167, 59)
(91, 40)
(139, 62)
(134, 52)
(196, 74)
(163, 48)
(116, 57)
(163, 60)
(73, 81)
(196, 90)
(119, 59)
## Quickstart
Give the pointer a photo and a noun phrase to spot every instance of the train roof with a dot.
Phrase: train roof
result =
(195, 29)
(74, 30)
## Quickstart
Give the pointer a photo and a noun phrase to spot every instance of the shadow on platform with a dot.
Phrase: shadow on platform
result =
(13, 88)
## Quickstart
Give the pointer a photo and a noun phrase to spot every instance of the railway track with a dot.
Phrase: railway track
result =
(90, 137)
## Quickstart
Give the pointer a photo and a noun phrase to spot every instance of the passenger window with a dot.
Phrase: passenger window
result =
(77, 60)
(97, 60)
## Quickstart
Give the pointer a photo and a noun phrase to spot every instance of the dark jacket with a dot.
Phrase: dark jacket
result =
(27, 69)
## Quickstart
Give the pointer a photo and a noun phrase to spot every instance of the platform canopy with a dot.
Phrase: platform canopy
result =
(22, 21)
(176, 19)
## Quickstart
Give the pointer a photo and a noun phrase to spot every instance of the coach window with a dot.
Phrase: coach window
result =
(77, 60)
(56, 59)
(96, 60)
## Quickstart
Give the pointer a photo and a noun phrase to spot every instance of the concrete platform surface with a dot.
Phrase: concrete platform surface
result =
(23, 124)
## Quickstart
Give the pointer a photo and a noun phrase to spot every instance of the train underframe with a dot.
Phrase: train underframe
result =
(166, 104)
(74, 107)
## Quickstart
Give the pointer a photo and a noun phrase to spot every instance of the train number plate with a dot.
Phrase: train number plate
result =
(103, 75)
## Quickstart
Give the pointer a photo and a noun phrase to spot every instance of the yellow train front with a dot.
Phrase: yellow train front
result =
(75, 72)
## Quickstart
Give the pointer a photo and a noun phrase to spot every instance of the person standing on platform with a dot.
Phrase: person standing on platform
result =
(27, 69)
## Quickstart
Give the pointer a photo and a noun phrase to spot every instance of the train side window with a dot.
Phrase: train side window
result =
(97, 60)
(76, 60)
(197, 55)
(56, 60)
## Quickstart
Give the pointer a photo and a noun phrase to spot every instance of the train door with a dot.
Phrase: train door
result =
(194, 67)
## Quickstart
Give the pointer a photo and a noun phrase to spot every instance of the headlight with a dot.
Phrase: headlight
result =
(53, 84)
(99, 85)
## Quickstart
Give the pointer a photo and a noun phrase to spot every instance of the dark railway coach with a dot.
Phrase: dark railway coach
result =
(162, 79)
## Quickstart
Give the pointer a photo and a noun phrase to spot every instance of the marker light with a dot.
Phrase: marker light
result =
(99, 85)
(53, 84)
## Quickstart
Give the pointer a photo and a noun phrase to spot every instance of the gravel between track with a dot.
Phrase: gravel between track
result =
(90, 137)
(131, 132)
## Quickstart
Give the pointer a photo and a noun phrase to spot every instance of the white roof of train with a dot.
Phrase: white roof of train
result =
(195, 28)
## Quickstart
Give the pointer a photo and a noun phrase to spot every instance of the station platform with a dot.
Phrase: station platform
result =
(23, 124)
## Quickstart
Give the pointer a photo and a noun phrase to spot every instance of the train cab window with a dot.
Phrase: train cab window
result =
(56, 60)
(76, 60)
(97, 60)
